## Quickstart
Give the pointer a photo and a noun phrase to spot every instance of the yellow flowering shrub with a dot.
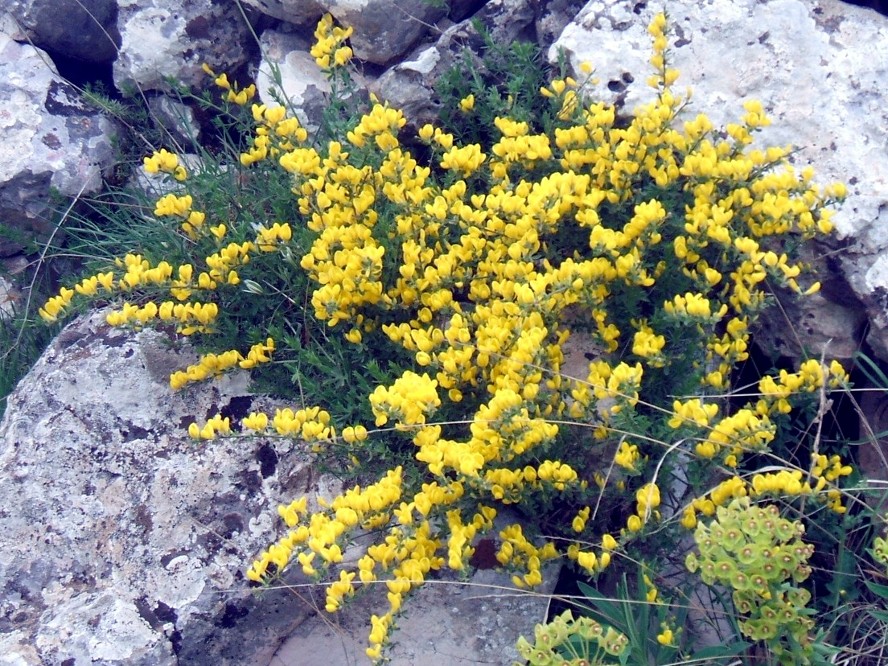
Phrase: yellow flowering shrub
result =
(656, 236)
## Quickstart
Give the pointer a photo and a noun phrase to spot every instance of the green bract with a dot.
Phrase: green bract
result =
(758, 566)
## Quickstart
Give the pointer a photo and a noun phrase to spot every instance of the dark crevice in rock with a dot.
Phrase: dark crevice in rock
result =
(237, 408)
(134, 432)
(81, 74)
(158, 616)
(233, 613)
(268, 460)
(880, 6)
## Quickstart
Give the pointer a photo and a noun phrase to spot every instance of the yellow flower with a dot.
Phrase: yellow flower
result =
(342, 56)
(579, 521)
(627, 456)
(222, 81)
(587, 560)
(257, 421)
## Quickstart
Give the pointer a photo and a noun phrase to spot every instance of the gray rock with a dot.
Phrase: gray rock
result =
(82, 29)
(554, 17)
(9, 297)
(819, 69)
(460, 10)
(445, 621)
(385, 29)
(812, 327)
(51, 139)
(173, 38)
(410, 85)
(288, 74)
(873, 450)
(827, 325)
(125, 541)
(298, 12)
(177, 119)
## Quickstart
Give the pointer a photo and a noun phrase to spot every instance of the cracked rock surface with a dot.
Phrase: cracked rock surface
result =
(124, 540)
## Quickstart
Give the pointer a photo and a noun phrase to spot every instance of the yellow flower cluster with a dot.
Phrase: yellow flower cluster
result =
(170, 204)
(785, 483)
(181, 206)
(829, 468)
(739, 433)
(138, 272)
(211, 365)
(409, 400)
(518, 551)
(222, 266)
(647, 499)
(811, 377)
(329, 50)
(459, 264)
(189, 317)
(408, 552)
(729, 489)
(693, 411)
(474, 298)
(791, 483)
(321, 534)
(628, 456)
(163, 161)
(750, 428)
(275, 133)
(56, 305)
(234, 94)
(589, 560)
(217, 425)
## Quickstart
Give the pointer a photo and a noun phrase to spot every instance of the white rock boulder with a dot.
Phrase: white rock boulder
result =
(820, 70)
(124, 540)
(50, 140)
(173, 38)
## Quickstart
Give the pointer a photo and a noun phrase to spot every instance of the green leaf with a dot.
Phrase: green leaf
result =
(881, 616)
(727, 651)
(875, 588)
(871, 370)
(606, 610)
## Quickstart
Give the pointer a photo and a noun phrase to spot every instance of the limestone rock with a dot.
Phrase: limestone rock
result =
(173, 38)
(385, 29)
(298, 12)
(818, 67)
(410, 85)
(288, 73)
(51, 139)
(444, 621)
(125, 541)
(177, 119)
(82, 29)
(9, 297)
